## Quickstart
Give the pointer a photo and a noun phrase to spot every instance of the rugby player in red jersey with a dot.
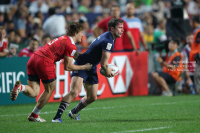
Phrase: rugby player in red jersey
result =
(41, 66)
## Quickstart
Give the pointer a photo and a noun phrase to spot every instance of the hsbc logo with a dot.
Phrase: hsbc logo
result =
(121, 82)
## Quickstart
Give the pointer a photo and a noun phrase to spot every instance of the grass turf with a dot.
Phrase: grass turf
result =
(129, 114)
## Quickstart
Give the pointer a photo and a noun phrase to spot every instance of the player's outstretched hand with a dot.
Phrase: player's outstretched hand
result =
(88, 66)
(109, 72)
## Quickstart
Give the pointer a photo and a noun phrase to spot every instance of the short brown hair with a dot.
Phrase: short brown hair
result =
(114, 22)
(74, 28)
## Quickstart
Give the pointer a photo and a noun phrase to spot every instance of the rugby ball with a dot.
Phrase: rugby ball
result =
(115, 70)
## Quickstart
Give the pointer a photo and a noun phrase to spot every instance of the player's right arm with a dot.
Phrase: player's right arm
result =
(69, 66)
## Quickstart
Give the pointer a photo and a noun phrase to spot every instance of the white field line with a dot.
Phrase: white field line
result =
(153, 104)
(141, 130)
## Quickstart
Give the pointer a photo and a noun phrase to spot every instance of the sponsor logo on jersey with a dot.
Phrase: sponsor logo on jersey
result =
(109, 46)
(73, 52)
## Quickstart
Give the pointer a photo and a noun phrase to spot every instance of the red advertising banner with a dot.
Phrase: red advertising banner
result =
(132, 80)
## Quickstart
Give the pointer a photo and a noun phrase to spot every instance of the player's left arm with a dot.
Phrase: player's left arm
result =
(104, 63)
(69, 66)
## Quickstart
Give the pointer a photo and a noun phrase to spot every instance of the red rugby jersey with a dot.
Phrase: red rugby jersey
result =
(57, 48)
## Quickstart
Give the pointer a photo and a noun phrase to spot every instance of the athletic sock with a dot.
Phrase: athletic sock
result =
(61, 109)
(36, 111)
(23, 88)
(82, 104)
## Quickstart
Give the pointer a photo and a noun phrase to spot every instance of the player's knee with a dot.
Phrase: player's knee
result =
(92, 98)
(154, 74)
(74, 93)
(49, 89)
(36, 92)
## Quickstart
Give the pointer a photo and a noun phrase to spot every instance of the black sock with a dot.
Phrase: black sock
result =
(78, 108)
(61, 109)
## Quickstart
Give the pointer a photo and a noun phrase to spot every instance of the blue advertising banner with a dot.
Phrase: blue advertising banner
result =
(12, 70)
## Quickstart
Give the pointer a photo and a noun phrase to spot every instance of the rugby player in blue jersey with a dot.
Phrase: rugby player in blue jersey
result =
(98, 52)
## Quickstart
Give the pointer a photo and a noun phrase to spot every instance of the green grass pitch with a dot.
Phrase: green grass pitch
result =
(151, 114)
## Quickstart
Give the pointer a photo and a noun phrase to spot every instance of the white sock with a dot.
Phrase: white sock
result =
(36, 111)
(23, 88)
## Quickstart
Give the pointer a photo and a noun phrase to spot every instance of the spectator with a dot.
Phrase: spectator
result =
(11, 36)
(158, 9)
(172, 67)
(18, 38)
(115, 13)
(135, 26)
(196, 23)
(195, 57)
(59, 6)
(75, 17)
(106, 15)
(97, 6)
(148, 20)
(9, 25)
(67, 5)
(188, 65)
(1, 19)
(29, 25)
(84, 41)
(20, 13)
(159, 33)
(84, 7)
(45, 39)
(37, 6)
(50, 3)
(194, 7)
(37, 23)
(28, 51)
(52, 27)
(3, 43)
(91, 38)
(105, 6)
(148, 35)
(40, 15)
(39, 34)
(68, 18)
(13, 50)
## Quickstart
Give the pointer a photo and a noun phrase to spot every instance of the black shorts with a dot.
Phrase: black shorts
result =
(168, 78)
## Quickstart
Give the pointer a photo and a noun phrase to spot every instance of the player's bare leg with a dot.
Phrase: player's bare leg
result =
(49, 88)
(32, 89)
(91, 96)
(75, 88)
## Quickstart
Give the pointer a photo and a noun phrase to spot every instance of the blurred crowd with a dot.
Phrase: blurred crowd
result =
(27, 25)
